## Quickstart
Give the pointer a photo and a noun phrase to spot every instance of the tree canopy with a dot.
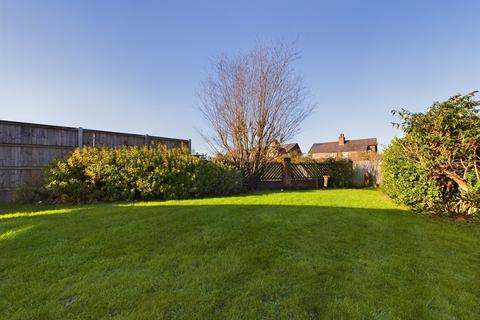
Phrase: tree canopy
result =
(252, 100)
(444, 142)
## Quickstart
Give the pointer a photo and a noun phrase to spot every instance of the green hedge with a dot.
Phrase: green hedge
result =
(341, 172)
(407, 183)
(133, 173)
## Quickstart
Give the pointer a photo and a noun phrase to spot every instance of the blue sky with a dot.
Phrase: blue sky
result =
(136, 66)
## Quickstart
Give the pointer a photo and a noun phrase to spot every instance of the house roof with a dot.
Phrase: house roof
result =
(289, 146)
(350, 145)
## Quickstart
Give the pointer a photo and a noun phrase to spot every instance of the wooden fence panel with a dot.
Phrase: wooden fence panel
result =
(25, 156)
(272, 172)
(25, 148)
(289, 175)
(363, 167)
(28, 134)
(310, 175)
(308, 171)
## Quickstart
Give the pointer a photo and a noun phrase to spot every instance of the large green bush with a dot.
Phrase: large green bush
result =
(406, 183)
(436, 165)
(130, 173)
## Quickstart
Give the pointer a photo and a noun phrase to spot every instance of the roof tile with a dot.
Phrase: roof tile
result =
(350, 145)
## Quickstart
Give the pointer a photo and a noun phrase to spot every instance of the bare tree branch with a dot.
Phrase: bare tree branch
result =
(252, 100)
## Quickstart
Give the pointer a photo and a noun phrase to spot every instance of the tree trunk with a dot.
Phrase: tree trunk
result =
(462, 185)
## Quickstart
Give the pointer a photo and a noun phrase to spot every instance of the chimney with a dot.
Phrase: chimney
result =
(341, 139)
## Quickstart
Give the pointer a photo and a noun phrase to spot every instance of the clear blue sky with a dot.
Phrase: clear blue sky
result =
(135, 66)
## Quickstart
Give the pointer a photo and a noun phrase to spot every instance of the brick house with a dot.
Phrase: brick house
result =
(290, 149)
(360, 149)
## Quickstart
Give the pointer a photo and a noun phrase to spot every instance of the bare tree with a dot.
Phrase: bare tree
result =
(252, 100)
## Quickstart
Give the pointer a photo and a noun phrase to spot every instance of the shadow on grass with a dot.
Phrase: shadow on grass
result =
(198, 213)
(234, 261)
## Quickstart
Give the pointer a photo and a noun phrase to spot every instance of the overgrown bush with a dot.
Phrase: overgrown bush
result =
(406, 183)
(133, 173)
(31, 191)
(341, 172)
(295, 158)
(436, 165)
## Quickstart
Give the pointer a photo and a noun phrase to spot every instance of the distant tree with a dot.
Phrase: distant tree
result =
(444, 142)
(251, 100)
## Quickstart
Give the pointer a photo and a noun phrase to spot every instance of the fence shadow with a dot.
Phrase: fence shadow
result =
(307, 259)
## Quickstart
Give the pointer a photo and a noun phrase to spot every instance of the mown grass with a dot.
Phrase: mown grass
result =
(332, 254)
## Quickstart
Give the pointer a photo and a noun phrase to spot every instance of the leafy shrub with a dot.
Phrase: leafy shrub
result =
(341, 172)
(295, 158)
(406, 183)
(31, 191)
(130, 173)
(436, 165)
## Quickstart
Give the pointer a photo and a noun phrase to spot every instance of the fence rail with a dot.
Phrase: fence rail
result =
(272, 172)
(289, 175)
(309, 171)
(25, 148)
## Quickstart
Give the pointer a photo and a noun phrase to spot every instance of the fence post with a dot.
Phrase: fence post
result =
(287, 173)
(147, 140)
(80, 137)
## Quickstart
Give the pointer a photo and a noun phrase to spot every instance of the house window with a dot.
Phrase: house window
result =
(344, 155)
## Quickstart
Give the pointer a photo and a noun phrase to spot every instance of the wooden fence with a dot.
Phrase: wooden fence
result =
(367, 173)
(25, 148)
(289, 175)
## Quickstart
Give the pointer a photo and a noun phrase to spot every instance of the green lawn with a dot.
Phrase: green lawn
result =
(333, 254)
